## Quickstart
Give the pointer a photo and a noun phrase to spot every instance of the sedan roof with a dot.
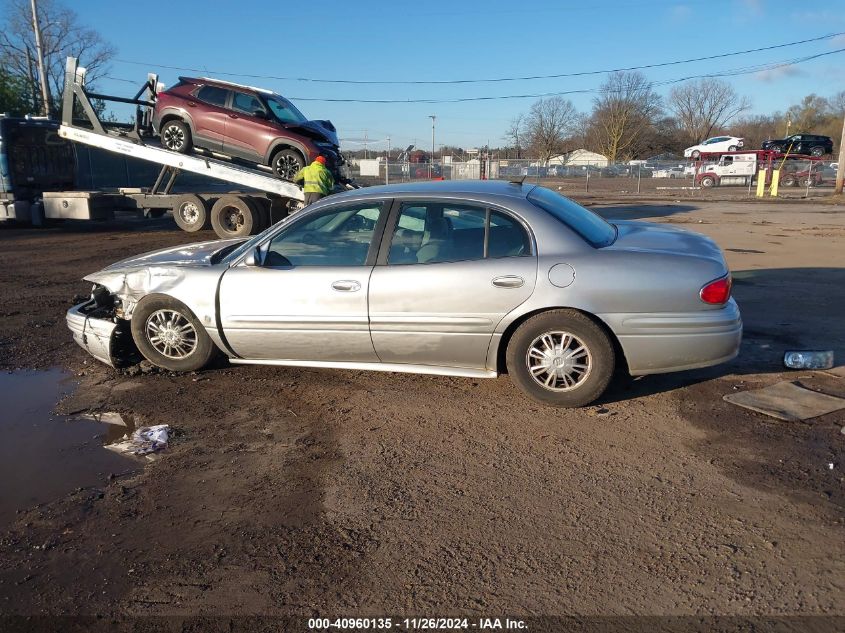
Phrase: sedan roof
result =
(440, 187)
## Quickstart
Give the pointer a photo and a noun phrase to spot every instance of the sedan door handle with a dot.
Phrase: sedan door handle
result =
(233, 116)
(508, 281)
(346, 285)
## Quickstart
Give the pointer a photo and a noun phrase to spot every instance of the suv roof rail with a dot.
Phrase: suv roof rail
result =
(232, 83)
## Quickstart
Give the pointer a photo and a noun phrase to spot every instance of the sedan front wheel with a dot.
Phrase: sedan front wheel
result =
(561, 358)
(169, 335)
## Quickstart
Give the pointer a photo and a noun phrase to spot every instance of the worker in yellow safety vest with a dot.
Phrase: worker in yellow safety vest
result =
(317, 179)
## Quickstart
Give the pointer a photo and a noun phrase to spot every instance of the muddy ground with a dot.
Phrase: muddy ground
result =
(298, 492)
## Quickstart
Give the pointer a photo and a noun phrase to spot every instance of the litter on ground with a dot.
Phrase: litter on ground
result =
(145, 440)
(787, 401)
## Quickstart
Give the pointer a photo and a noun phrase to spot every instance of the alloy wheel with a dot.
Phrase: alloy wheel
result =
(171, 334)
(173, 137)
(286, 166)
(558, 361)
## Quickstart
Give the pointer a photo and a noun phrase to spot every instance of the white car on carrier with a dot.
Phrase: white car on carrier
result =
(715, 144)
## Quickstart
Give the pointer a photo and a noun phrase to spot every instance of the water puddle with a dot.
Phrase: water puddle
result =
(44, 456)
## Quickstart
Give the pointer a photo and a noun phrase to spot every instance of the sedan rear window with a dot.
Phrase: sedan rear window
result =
(590, 226)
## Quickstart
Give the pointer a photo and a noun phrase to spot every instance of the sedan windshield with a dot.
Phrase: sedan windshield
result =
(594, 229)
(284, 110)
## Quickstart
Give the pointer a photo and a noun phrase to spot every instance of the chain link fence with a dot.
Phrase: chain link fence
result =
(664, 175)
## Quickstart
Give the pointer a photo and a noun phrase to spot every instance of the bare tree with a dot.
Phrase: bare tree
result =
(515, 136)
(61, 35)
(547, 126)
(704, 106)
(623, 113)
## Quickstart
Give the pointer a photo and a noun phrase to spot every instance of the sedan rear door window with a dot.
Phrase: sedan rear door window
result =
(429, 233)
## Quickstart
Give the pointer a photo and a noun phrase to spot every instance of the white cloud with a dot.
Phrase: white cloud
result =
(680, 12)
(781, 72)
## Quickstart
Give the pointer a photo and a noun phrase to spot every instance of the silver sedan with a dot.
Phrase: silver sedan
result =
(461, 278)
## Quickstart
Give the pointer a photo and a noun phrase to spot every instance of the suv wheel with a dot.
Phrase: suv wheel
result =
(776, 148)
(286, 163)
(561, 358)
(817, 151)
(176, 136)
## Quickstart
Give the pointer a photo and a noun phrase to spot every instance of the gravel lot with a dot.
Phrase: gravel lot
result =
(339, 493)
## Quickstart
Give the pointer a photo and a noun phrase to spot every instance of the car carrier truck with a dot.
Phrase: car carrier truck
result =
(37, 170)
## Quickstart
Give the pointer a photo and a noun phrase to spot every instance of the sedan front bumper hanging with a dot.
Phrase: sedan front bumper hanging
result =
(96, 335)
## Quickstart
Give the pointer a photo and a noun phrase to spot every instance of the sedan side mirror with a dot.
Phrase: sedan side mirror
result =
(253, 258)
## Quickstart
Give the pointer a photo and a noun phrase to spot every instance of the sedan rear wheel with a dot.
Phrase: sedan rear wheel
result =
(169, 335)
(561, 358)
(695, 154)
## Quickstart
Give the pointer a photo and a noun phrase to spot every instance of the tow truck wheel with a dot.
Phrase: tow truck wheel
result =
(191, 214)
(806, 182)
(169, 335)
(708, 181)
(233, 216)
(286, 163)
(788, 180)
(176, 136)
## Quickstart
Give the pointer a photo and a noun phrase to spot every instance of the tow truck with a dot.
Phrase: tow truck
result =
(742, 168)
(265, 200)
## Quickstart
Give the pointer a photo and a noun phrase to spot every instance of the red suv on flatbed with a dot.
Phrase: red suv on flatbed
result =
(245, 123)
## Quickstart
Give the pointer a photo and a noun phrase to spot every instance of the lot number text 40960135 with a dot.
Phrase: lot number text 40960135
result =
(416, 624)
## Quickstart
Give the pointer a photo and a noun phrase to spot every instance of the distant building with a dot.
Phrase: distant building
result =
(580, 157)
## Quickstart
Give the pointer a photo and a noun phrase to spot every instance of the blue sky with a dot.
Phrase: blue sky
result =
(371, 40)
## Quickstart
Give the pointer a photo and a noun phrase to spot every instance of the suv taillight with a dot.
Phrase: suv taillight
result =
(718, 291)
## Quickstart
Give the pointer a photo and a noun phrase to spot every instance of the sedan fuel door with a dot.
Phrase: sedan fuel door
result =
(447, 275)
(306, 300)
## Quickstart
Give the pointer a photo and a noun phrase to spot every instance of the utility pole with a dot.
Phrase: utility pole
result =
(840, 170)
(387, 164)
(39, 52)
(431, 162)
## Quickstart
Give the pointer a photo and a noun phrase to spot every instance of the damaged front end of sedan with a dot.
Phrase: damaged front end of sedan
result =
(101, 325)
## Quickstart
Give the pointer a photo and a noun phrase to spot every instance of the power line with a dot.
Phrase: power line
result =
(489, 80)
(746, 70)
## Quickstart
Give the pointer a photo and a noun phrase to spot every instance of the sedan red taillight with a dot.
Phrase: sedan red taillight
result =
(718, 291)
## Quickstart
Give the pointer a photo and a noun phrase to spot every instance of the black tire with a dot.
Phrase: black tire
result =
(788, 181)
(708, 181)
(172, 318)
(817, 151)
(776, 148)
(587, 385)
(235, 216)
(191, 213)
(695, 155)
(176, 136)
(806, 182)
(285, 163)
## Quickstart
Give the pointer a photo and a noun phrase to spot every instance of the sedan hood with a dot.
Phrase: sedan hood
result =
(659, 238)
(136, 276)
(186, 255)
